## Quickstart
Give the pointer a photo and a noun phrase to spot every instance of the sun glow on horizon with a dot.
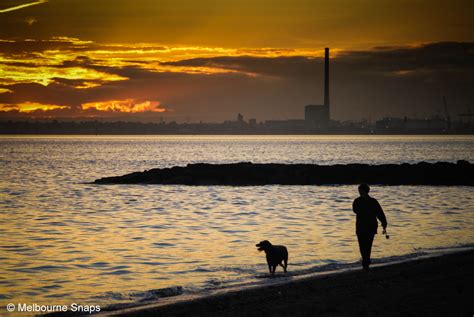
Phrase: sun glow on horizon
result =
(128, 106)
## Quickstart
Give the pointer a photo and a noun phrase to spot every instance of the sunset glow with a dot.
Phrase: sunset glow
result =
(210, 60)
(128, 105)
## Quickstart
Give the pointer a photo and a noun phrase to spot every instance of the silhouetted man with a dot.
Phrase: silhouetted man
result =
(367, 210)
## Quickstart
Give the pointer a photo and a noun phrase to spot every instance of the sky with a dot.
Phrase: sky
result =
(188, 60)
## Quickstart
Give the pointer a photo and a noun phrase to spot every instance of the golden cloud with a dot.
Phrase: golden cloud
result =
(28, 107)
(48, 61)
(127, 106)
(4, 90)
(45, 75)
(122, 54)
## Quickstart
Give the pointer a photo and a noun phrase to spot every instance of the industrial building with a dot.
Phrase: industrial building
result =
(318, 116)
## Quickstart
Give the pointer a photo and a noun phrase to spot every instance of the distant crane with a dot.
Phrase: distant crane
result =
(468, 114)
(448, 119)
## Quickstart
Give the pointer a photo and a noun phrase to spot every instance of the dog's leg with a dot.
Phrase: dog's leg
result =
(273, 270)
(284, 266)
(270, 268)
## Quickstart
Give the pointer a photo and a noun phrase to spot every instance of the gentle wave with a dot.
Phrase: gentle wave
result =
(257, 278)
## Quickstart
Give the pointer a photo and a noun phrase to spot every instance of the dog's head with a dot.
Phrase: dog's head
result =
(263, 245)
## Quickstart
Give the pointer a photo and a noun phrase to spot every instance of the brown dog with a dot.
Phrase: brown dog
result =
(276, 254)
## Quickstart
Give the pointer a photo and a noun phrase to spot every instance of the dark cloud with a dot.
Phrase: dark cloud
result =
(297, 66)
(431, 57)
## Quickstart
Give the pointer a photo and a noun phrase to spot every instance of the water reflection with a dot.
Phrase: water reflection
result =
(63, 241)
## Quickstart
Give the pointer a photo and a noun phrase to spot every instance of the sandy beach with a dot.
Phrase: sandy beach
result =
(436, 286)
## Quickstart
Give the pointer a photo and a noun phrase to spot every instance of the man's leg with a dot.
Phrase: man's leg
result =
(365, 247)
(370, 240)
(361, 238)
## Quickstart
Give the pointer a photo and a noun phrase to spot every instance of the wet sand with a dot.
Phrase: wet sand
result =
(437, 286)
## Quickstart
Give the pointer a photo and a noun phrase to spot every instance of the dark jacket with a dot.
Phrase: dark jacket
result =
(368, 210)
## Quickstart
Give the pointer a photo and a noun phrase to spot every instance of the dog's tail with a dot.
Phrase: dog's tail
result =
(285, 259)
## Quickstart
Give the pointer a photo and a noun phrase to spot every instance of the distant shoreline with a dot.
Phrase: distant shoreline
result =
(434, 286)
(387, 126)
(237, 134)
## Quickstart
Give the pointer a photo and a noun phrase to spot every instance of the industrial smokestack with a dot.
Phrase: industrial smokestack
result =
(326, 81)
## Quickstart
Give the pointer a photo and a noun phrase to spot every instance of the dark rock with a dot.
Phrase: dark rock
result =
(245, 174)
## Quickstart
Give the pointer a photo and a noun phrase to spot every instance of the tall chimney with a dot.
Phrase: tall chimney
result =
(326, 81)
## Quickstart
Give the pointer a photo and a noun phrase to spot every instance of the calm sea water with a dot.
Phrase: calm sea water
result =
(63, 240)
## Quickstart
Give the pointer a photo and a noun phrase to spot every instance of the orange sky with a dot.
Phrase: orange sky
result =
(346, 24)
(190, 56)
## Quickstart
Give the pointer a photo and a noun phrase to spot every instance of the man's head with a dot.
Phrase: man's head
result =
(364, 189)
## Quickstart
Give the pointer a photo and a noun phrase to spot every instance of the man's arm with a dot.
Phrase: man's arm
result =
(380, 214)
(355, 207)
